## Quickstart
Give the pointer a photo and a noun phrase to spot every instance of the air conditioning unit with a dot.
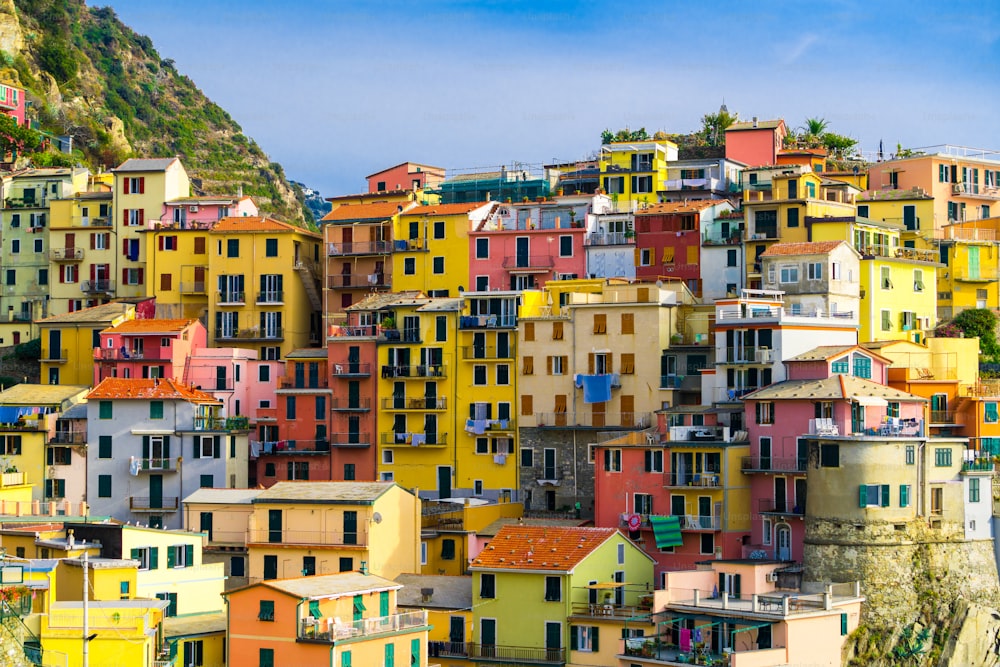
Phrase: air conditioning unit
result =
(194, 209)
(956, 189)
(771, 577)
(763, 355)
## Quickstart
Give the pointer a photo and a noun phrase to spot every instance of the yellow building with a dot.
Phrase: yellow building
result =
(431, 247)
(28, 414)
(224, 515)
(178, 265)
(633, 172)
(912, 210)
(263, 285)
(141, 187)
(449, 534)
(777, 201)
(447, 601)
(68, 341)
(82, 251)
(326, 527)
(968, 278)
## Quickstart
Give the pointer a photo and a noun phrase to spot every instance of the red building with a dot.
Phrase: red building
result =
(12, 102)
(756, 142)
(405, 176)
(154, 348)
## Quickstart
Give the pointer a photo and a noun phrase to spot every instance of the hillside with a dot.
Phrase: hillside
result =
(89, 76)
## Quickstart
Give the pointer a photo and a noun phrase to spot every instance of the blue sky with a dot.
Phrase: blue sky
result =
(336, 90)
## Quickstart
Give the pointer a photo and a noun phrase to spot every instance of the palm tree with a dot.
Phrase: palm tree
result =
(815, 127)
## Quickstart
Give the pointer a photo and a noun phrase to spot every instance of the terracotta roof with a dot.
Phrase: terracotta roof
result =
(330, 585)
(256, 223)
(693, 206)
(151, 326)
(144, 389)
(376, 211)
(541, 548)
(423, 168)
(749, 125)
(835, 387)
(381, 300)
(447, 209)
(494, 528)
(813, 248)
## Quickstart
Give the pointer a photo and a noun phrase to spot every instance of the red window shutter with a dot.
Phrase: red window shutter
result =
(93, 272)
(161, 242)
(62, 273)
(142, 216)
(93, 241)
(125, 247)
(127, 182)
(140, 281)
(142, 184)
(124, 276)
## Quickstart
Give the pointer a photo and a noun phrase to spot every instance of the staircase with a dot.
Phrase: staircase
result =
(307, 272)
(16, 636)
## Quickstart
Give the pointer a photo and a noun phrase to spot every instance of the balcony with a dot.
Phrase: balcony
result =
(414, 372)
(352, 369)
(710, 183)
(358, 248)
(415, 439)
(985, 465)
(981, 274)
(289, 447)
(320, 630)
(719, 239)
(409, 245)
(609, 610)
(271, 297)
(210, 423)
(341, 404)
(698, 434)
(232, 298)
(68, 438)
(356, 280)
(192, 287)
(515, 655)
(66, 254)
(397, 336)
(125, 354)
(748, 355)
(80, 221)
(604, 420)
(138, 464)
(419, 404)
(975, 190)
(163, 504)
(253, 333)
(350, 439)
(303, 383)
(288, 536)
(944, 418)
(610, 238)
(55, 356)
(915, 254)
(487, 352)
(710, 479)
(529, 263)
(487, 322)
(732, 394)
(97, 286)
(782, 507)
(772, 465)
(695, 523)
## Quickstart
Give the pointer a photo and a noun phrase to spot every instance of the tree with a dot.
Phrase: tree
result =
(14, 137)
(815, 127)
(713, 127)
(982, 323)
(609, 137)
(837, 144)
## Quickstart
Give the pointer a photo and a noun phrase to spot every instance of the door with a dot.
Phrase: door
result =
(55, 344)
(801, 455)
(199, 279)
(677, 507)
(353, 359)
(553, 641)
(628, 411)
(430, 395)
(939, 408)
(549, 463)
(800, 496)
(399, 396)
(313, 375)
(488, 636)
(973, 252)
(155, 491)
(522, 250)
(444, 481)
(270, 567)
(220, 378)
(347, 241)
(70, 244)
(479, 345)
(456, 632)
(783, 535)
(345, 274)
(779, 494)
(705, 511)
(765, 453)
(910, 217)
(274, 526)
(354, 395)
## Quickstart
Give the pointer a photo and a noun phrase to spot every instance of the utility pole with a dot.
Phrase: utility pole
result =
(86, 624)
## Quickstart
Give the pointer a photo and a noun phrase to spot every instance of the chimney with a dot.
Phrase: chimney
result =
(70, 540)
(426, 594)
(755, 121)
(364, 567)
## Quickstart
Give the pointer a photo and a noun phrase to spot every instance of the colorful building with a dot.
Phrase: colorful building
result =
(204, 210)
(447, 601)
(224, 516)
(405, 176)
(968, 277)
(633, 172)
(610, 246)
(68, 340)
(450, 532)
(702, 179)
(147, 349)
(80, 250)
(816, 277)
(66, 456)
(755, 142)
(12, 102)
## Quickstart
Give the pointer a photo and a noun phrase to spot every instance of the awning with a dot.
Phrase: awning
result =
(666, 531)
(872, 401)
(605, 585)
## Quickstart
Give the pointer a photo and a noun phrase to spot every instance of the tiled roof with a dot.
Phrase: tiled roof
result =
(813, 248)
(835, 387)
(144, 389)
(196, 624)
(105, 312)
(541, 548)
(374, 211)
(693, 206)
(256, 223)
(494, 527)
(151, 326)
(749, 125)
(446, 209)
(324, 492)
(39, 394)
(381, 300)
(308, 353)
(146, 164)
(331, 585)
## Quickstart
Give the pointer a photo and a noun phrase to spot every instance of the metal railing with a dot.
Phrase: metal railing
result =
(435, 371)
(358, 280)
(209, 423)
(610, 238)
(253, 333)
(192, 287)
(414, 403)
(55, 355)
(271, 296)
(140, 464)
(303, 383)
(611, 420)
(352, 369)
(772, 506)
(502, 653)
(423, 439)
(487, 352)
(342, 404)
(66, 254)
(487, 321)
(332, 630)
(350, 439)
(774, 464)
(95, 286)
(529, 262)
(145, 504)
(68, 438)
(359, 248)
(322, 537)
(231, 298)
(709, 479)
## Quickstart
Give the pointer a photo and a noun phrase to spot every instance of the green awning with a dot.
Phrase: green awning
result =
(666, 531)
(314, 609)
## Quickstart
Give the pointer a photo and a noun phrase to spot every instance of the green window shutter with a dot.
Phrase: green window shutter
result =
(134, 554)
(736, 586)
(217, 447)
(145, 446)
(267, 657)
(314, 609)
(166, 446)
(172, 609)
(862, 496)
(197, 446)
(171, 558)
(904, 500)
(156, 409)
(189, 555)
(106, 411)
(390, 655)
(414, 651)
(843, 625)
(154, 558)
(594, 634)
(574, 637)
(104, 486)
(885, 495)
(345, 659)
(104, 447)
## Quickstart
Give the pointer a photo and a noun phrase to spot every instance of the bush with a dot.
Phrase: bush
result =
(57, 59)
(30, 351)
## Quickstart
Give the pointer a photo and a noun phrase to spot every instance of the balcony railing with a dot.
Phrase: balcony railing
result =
(979, 465)
(414, 372)
(772, 506)
(210, 423)
(356, 280)
(487, 322)
(944, 417)
(609, 420)
(400, 403)
(358, 248)
(68, 438)
(276, 296)
(499, 653)
(719, 239)
(289, 447)
(772, 464)
(342, 404)
(139, 464)
(80, 221)
(350, 439)
(97, 286)
(321, 537)
(352, 369)
(983, 274)
(610, 238)
(253, 333)
(303, 383)
(528, 263)
(332, 629)
(422, 439)
(66, 254)
(699, 522)
(192, 287)
(487, 352)
(60, 356)
(407, 245)
(709, 479)
(749, 355)
(164, 504)
(231, 298)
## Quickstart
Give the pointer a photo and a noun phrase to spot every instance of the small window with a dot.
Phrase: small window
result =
(487, 585)
(905, 493)
(232, 248)
(482, 248)
(409, 266)
(553, 589)
(527, 458)
(942, 457)
(829, 456)
(612, 460)
(974, 489)
(438, 265)
(105, 410)
(156, 409)
(911, 457)
(565, 246)
(765, 412)
(270, 247)
(873, 495)
(447, 549)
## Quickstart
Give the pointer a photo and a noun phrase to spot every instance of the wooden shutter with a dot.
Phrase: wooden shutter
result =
(628, 410)
(527, 405)
(142, 184)
(199, 245)
(548, 365)
(692, 254)
(668, 255)
(93, 241)
(600, 323)
(628, 323)
(529, 331)
(557, 331)
(565, 362)
(591, 364)
(528, 366)
(560, 404)
(642, 295)
(165, 282)
(628, 363)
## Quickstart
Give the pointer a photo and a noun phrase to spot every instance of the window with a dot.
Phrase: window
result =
(942, 457)
(503, 374)
(482, 248)
(156, 409)
(479, 375)
(387, 456)
(409, 266)
(10, 277)
(477, 487)
(565, 246)
(862, 366)
(269, 470)
(448, 549)
(148, 557)
(105, 410)
(527, 365)
(645, 257)
(642, 184)
(766, 532)
(55, 488)
(990, 415)
(886, 321)
(349, 472)
(905, 493)
(600, 323)
(232, 247)
(829, 456)
(487, 585)
(707, 543)
(815, 270)
(873, 495)
(886, 279)
(207, 481)
(266, 657)
(911, 457)
(104, 447)
(104, 486)
(557, 365)
(765, 412)
(974, 489)
(583, 638)
(10, 445)
(553, 589)
(918, 280)
(135, 185)
(15, 246)
(654, 461)
(612, 460)
(263, 373)
(731, 258)
(180, 555)
(793, 216)
(529, 331)
(643, 504)
(321, 407)
(527, 458)
(132, 276)
(290, 407)
(789, 274)
(38, 245)
(438, 265)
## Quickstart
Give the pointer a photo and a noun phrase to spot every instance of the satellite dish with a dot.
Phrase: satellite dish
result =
(659, 284)
(377, 517)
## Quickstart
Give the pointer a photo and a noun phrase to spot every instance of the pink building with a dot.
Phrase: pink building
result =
(756, 142)
(244, 384)
(147, 348)
(831, 391)
(12, 102)
(405, 176)
(202, 212)
(528, 244)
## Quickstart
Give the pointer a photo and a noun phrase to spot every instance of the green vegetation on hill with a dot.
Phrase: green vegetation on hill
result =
(91, 77)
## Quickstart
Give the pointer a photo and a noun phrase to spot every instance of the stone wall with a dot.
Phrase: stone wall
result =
(575, 472)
